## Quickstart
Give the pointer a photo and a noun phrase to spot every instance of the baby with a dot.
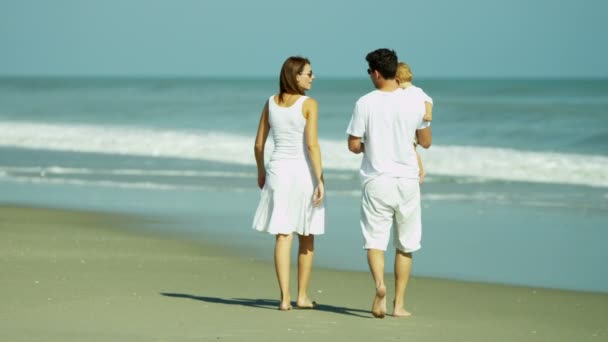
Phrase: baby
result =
(404, 78)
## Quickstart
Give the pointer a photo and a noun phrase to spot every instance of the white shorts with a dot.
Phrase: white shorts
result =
(391, 202)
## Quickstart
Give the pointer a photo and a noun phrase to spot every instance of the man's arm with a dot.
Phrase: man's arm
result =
(355, 145)
(424, 137)
(421, 172)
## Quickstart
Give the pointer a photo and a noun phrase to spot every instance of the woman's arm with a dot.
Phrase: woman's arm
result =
(260, 142)
(311, 113)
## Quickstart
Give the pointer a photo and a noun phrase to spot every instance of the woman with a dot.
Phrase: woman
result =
(292, 186)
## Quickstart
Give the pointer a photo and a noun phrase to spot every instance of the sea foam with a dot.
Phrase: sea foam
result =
(460, 161)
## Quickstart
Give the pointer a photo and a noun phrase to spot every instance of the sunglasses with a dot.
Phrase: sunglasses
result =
(369, 71)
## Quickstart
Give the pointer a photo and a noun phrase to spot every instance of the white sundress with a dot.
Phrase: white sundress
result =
(286, 200)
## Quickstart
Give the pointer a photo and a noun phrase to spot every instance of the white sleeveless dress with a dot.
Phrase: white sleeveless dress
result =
(286, 200)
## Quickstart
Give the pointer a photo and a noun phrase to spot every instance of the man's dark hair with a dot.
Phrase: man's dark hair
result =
(383, 60)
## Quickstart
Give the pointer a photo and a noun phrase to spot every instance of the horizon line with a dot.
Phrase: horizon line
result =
(261, 77)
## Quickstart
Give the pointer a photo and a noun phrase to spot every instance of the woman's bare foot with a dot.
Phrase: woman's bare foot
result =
(305, 303)
(284, 306)
(285, 303)
(379, 306)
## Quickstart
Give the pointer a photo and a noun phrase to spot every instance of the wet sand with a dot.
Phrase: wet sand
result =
(86, 276)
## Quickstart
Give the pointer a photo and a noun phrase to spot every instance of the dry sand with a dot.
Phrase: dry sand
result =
(80, 276)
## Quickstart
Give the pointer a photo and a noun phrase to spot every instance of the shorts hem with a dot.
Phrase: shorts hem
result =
(409, 250)
(382, 248)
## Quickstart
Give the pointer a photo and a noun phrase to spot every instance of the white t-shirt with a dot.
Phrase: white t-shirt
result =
(419, 92)
(387, 123)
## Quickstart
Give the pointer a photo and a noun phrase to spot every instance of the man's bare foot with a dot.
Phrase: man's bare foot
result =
(401, 312)
(379, 306)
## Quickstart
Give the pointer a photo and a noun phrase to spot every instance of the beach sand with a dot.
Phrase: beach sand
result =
(84, 276)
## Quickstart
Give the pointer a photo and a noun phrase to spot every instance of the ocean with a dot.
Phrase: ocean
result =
(516, 189)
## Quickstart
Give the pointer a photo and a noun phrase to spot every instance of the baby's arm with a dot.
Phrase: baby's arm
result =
(428, 115)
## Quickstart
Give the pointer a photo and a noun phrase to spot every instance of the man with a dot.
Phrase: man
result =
(383, 126)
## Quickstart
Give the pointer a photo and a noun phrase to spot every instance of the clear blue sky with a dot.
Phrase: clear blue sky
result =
(245, 38)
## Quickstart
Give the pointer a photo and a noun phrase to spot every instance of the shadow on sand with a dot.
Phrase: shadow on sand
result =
(267, 304)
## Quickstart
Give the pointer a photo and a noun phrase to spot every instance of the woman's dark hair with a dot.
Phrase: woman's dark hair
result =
(383, 60)
(288, 83)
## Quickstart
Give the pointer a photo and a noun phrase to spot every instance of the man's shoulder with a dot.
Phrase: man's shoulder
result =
(367, 97)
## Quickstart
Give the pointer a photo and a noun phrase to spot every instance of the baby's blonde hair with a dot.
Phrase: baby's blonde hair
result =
(404, 73)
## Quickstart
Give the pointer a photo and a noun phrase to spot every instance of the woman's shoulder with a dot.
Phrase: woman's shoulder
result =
(309, 101)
